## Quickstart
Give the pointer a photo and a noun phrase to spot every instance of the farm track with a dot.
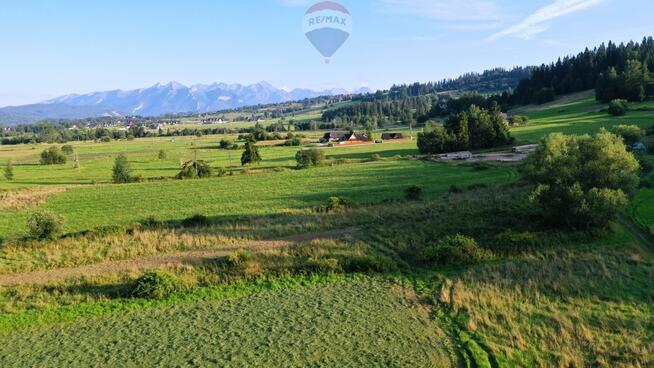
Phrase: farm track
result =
(141, 264)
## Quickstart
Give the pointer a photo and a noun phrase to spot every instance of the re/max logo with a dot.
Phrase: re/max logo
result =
(327, 19)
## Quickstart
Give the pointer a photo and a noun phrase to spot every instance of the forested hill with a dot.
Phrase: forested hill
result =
(617, 71)
(496, 80)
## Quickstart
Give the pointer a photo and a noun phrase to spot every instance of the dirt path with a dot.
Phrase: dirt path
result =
(155, 262)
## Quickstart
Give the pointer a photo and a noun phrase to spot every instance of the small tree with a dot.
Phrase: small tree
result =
(250, 154)
(162, 155)
(369, 133)
(618, 107)
(194, 169)
(44, 225)
(67, 149)
(413, 193)
(227, 144)
(309, 158)
(582, 181)
(53, 156)
(9, 171)
(122, 171)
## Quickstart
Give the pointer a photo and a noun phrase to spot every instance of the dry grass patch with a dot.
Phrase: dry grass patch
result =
(11, 201)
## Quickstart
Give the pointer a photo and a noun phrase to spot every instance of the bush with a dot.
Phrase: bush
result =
(376, 157)
(618, 107)
(294, 141)
(240, 257)
(44, 225)
(122, 171)
(162, 155)
(518, 120)
(105, 139)
(227, 144)
(309, 158)
(322, 265)
(67, 149)
(455, 189)
(630, 133)
(53, 156)
(454, 250)
(413, 193)
(195, 169)
(250, 154)
(157, 285)
(196, 221)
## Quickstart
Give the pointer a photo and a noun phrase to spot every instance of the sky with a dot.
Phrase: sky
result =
(52, 48)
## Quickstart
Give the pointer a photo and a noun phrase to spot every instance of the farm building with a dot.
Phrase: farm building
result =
(464, 155)
(391, 136)
(343, 137)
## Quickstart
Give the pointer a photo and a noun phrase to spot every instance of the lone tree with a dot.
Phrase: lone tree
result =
(309, 158)
(630, 133)
(122, 171)
(9, 170)
(194, 169)
(162, 155)
(582, 181)
(618, 107)
(250, 154)
(53, 156)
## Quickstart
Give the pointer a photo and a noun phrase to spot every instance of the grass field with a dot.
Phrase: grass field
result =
(577, 114)
(97, 159)
(642, 209)
(349, 324)
(250, 195)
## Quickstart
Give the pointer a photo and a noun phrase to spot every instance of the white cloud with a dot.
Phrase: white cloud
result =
(451, 10)
(534, 23)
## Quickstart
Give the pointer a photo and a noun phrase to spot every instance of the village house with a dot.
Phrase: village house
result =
(343, 137)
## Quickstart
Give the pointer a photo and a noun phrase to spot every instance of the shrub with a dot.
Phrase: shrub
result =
(455, 189)
(293, 141)
(518, 120)
(8, 171)
(368, 263)
(53, 156)
(240, 257)
(618, 107)
(413, 193)
(322, 265)
(44, 225)
(195, 169)
(151, 221)
(454, 250)
(196, 221)
(630, 133)
(162, 155)
(227, 144)
(122, 171)
(157, 285)
(376, 157)
(67, 149)
(309, 158)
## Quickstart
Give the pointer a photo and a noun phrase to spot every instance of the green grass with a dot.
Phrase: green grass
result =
(97, 159)
(347, 324)
(577, 114)
(642, 209)
(250, 195)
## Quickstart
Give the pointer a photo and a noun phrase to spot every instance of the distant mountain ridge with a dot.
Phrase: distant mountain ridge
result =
(158, 100)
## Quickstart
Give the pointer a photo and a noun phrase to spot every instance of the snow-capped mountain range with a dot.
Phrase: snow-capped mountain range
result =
(158, 100)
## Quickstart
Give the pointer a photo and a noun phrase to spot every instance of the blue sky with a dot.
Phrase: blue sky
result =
(51, 48)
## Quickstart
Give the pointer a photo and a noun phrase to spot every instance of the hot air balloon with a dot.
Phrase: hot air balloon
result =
(327, 25)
